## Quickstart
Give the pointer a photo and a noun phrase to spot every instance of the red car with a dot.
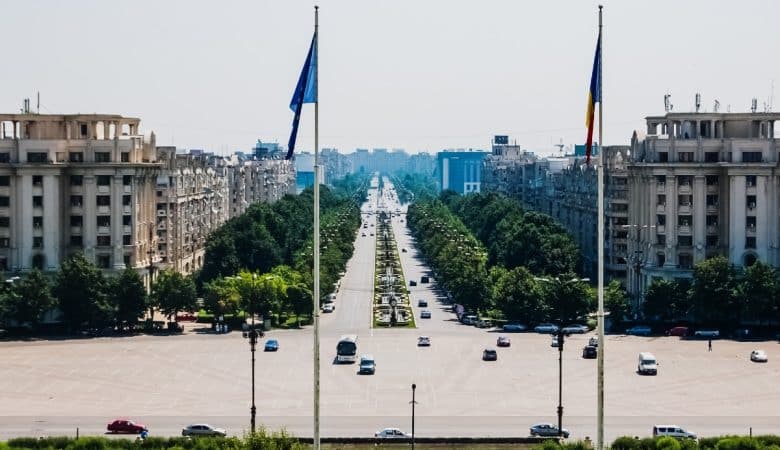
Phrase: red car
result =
(126, 426)
(678, 331)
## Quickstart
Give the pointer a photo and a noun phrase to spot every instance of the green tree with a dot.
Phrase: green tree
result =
(714, 291)
(31, 299)
(220, 296)
(81, 290)
(616, 302)
(665, 300)
(300, 299)
(758, 292)
(128, 295)
(173, 292)
(568, 298)
(517, 296)
(260, 294)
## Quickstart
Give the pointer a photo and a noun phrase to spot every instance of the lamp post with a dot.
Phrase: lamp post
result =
(252, 335)
(414, 386)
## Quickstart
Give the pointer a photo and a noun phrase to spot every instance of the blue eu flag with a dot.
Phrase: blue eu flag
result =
(305, 92)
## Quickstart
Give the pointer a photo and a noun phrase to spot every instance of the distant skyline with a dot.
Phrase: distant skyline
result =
(418, 75)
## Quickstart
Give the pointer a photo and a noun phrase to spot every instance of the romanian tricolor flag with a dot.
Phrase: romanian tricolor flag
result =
(594, 96)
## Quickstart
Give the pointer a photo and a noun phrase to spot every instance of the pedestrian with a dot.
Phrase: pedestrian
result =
(709, 345)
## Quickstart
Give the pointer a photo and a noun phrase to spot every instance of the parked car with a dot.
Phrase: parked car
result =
(469, 319)
(677, 331)
(513, 327)
(423, 341)
(593, 342)
(546, 328)
(639, 330)
(271, 345)
(503, 341)
(203, 429)
(590, 352)
(554, 342)
(483, 323)
(489, 354)
(425, 314)
(707, 334)
(328, 307)
(367, 365)
(575, 329)
(758, 356)
(673, 431)
(425, 279)
(547, 429)
(390, 433)
(412, 283)
(126, 426)
(363, 234)
(422, 303)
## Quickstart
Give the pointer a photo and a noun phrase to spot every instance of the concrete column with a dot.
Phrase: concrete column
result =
(52, 222)
(699, 225)
(116, 223)
(105, 129)
(763, 202)
(671, 220)
(89, 233)
(23, 201)
(16, 229)
(736, 218)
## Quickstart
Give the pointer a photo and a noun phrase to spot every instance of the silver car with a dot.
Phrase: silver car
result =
(203, 429)
(547, 429)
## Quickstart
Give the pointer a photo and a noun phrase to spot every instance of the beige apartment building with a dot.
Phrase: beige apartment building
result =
(700, 185)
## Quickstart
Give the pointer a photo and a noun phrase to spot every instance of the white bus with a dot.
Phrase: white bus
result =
(346, 350)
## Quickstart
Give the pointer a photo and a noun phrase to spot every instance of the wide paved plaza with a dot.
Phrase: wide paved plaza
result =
(166, 382)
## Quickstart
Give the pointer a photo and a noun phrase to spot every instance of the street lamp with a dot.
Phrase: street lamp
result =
(414, 386)
(252, 335)
(561, 336)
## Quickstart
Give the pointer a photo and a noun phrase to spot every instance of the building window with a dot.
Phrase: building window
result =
(76, 180)
(750, 180)
(711, 157)
(37, 222)
(751, 201)
(37, 241)
(126, 239)
(5, 222)
(126, 200)
(712, 241)
(685, 200)
(751, 156)
(661, 239)
(685, 241)
(76, 241)
(5, 242)
(127, 220)
(75, 200)
(5, 180)
(685, 180)
(103, 200)
(38, 261)
(104, 261)
(127, 180)
(712, 180)
(663, 157)
(685, 261)
(104, 180)
(37, 201)
(37, 180)
(662, 200)
(125, 157)
(37, 157)
(104, 221)
(660, 220)
(5, 201)
(750, 259)
(76, 157)
(660, 259)
(712, 220)
(750, 222)
(685, 156)
(5, 157)
(750, 242)
(104, 241)
(712, 200)
(76, 221)
(660, 179)
(102, 157)
(83, 130)
(126, 259)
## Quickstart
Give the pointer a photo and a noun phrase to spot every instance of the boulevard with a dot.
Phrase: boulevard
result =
(51, 387)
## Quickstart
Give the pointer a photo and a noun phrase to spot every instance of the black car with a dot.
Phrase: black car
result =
(589, 352)
(489, 354)
(422, 303)
(425, 280)
(412, 283)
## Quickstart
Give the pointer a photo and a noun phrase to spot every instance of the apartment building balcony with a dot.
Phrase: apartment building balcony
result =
(5, 191)
(103, 230)
(713, 208)
(660, 229)
(684, 229)
(37, 210)
(751, 189)
(75, 230)
(103, 189)
(750, 231)
(127, 209)
(162, 240)
(660, 188)
(162, 213)
(76, 189)
(712, 188)
(37, 189)
(660, 208)
(127, 189)
(103, 209)
(685, 209)
(76, 210)
(162, 226)
(712, 229)
(684, 189)
(127, 229)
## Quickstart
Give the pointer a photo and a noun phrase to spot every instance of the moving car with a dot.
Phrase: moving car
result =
(647, 364)
(489, 354)
(639, 330)
(425, 314)
(271, 345)
(575, 329)
(328, 307)
(673, 431)
(590, 352)
(203, 429)
(503, 341)
(546, 328)
(367, 365)
(422, 302)
(593, 342)
(758, 356)
(425, 279)
(554, 342)
(412, 283)
(403, 250)
(708, 334)
(547, 429)
(126, 426)
(423, 341)
(391, 433)
(514, 327)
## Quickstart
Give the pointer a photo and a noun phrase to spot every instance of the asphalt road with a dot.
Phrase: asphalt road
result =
(53, 387)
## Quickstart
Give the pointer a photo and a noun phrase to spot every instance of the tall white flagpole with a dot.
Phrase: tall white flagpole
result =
(316, 296)
(602, 157)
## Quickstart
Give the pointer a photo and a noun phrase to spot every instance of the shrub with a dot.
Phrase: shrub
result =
(625, 443)
(738, 443)
(667, 443)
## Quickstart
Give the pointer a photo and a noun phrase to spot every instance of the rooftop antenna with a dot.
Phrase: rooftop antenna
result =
(698, 101)
(771, 96)
(38, 105)
(668, 102)
(716, 106)
(560, 146)
(753, 105)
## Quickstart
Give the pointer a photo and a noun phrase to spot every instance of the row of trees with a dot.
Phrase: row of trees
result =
(81, 296)
(718, 294)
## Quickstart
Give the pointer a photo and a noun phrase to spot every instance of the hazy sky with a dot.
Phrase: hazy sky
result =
(414, 74)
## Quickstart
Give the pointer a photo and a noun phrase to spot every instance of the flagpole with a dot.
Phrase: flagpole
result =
(602, 157)
(316, 296)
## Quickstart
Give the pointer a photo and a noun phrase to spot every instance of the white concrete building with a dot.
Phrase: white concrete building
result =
(702, 184)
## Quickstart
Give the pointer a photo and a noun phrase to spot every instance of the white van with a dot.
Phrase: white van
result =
(673, 431)
(647, 364)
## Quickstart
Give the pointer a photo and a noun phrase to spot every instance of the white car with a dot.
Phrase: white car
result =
(425, 314)
(203, 429)
(423, 341)
(328, 307)
(391, 433)
(758, 356)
